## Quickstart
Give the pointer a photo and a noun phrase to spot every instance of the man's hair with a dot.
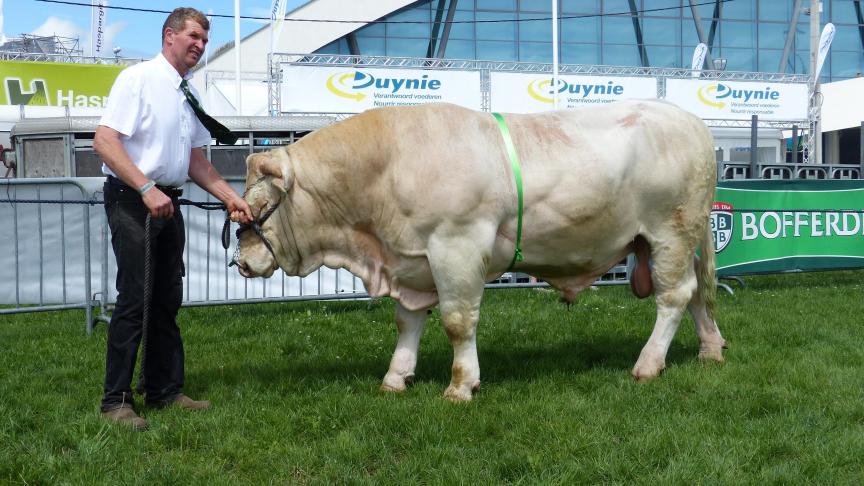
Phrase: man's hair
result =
(177, 20)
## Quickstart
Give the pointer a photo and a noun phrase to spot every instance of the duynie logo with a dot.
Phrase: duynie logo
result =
(15, 94)
(719, 95)
(350, 84)
(341, 84)
(721, 225)
(542, 91)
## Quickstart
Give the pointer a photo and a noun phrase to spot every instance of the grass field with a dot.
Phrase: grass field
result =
(296, 400)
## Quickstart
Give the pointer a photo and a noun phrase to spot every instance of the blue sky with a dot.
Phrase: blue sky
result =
(136, 33)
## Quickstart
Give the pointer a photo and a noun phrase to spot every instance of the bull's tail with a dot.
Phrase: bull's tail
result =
(706, 267)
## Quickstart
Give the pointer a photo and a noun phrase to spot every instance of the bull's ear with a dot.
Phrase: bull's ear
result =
(275, 163)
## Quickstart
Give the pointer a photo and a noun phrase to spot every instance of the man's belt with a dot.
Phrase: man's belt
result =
(172, 192)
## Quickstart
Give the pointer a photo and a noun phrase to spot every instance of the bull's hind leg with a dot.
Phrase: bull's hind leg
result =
(711, 343)
(674, 285)
(401, 373)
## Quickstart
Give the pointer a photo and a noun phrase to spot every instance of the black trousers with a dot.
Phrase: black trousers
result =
(164, 373)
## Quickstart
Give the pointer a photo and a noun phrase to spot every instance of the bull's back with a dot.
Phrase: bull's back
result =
(596, 177)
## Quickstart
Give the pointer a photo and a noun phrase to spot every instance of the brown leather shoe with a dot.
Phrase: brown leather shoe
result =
(126, 416)
(187, 403)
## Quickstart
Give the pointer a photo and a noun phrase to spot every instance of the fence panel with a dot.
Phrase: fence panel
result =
(45, 247)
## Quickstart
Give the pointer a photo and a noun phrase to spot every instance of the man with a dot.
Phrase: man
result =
(150, 140)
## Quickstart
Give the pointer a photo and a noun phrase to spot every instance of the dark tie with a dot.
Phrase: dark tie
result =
(216, 129)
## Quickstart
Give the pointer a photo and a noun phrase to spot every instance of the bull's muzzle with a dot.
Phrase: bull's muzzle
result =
(256, 227)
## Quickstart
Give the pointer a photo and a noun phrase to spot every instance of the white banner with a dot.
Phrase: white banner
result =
(277, 21)
(98, 23)
(698, 59)
(824, 44)
(734, 100)
(313, 89)
(532, 93)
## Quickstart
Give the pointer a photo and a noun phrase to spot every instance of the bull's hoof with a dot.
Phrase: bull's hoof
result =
(711, 353)
(391, 389)
(644, 374)
(460, 393)
(396, 383)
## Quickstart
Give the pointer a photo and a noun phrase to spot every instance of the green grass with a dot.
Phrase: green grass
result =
(296, 400)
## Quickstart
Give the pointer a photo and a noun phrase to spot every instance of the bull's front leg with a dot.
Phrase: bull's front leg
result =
(401, 373)
(460, 323)
(458, 267)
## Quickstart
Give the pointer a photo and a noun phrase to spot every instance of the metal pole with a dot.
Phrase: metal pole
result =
(754, 137)
(88, 309)
(442, 44)
(697, 19)
(816, 148)
(237, 90)
(794, 144)
(861, 150)
(555, 54)
(790, 36)
(637, 31)
(207, 58)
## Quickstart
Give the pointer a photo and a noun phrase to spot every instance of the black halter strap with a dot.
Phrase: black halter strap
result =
(255, 226)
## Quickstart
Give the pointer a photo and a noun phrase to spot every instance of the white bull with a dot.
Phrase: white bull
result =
(421, 204)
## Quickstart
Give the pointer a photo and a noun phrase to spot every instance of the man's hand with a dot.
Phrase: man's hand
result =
(158, 203)
(204, 174)
(238, 210)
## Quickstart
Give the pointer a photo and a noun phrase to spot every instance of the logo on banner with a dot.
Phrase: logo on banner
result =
(354, 85)
(342, 85)
(542, 91)
(721, 225)
(16, 95)
(719, 95)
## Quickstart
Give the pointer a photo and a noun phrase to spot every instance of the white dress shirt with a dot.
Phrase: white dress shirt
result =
(158, 127)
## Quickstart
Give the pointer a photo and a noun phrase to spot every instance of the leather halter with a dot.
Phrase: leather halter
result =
(255, 226)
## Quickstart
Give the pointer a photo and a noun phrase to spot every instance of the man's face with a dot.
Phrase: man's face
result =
(186, 47)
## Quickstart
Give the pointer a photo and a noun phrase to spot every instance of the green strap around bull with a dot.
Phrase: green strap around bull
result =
(517, 174)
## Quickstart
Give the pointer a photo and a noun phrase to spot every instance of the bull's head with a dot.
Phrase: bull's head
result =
(263, 245)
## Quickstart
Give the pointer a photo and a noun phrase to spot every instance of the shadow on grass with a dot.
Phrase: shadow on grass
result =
(524, 363)
(286, 310)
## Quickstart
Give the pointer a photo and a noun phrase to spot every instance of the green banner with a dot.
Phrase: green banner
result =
(56, 84)
(781, 226)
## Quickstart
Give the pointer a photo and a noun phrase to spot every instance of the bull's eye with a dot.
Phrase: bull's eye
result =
(261, 210)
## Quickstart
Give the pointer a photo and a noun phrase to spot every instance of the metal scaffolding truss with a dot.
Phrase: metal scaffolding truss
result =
(64, 58)
(211, 76)
(53, 48)
(524, 67)
(30, 47)
(276, 60)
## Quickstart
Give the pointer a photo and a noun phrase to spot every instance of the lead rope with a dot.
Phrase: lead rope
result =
(148, 295)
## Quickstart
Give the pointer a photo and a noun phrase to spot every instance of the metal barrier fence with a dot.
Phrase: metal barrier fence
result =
(58, 248)
(45, 257)
(727, 171)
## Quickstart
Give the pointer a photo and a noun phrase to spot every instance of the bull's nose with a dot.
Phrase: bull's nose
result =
(243, 268)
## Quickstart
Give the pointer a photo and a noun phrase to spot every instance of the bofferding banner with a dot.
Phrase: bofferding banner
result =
(347, 89)
(795, 225)
(736, 100)
(532, 92)
(56, 84)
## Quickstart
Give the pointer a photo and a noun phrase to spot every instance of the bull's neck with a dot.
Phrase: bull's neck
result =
(339, 172)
